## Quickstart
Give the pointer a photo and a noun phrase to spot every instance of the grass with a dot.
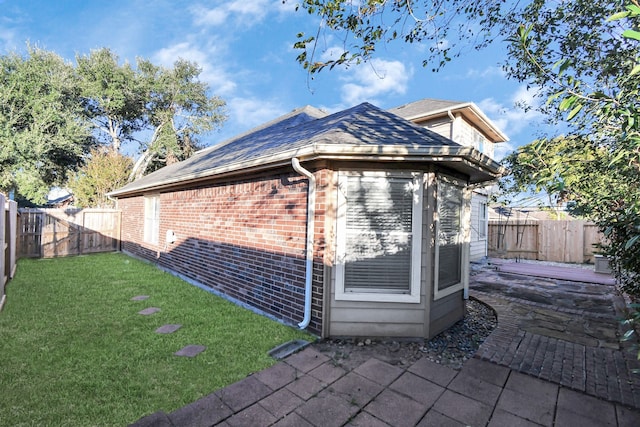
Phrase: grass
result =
(74, 351)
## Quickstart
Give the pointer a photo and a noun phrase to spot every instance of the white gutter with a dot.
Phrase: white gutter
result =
(453, 122)
(311, 213)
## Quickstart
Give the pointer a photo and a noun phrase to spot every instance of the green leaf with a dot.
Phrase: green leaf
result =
(575, 111)
(632, 241)
(631, 34)
(618, 16)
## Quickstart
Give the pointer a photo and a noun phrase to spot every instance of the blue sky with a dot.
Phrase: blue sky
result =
(245, 50)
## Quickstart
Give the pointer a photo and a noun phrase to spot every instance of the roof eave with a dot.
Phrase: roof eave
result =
(480, 117)
(479, 167)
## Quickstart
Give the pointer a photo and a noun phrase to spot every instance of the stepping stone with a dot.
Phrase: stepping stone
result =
(148, 311)
(168, 329)
(140, 298)
(190, 350)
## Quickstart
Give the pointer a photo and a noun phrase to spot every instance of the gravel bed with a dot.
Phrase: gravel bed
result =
(451, 347)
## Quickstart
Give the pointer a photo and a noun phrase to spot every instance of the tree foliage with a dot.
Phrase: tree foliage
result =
(42, 135)
(113, 97)
(52, 113)
(105, 170)
(597, 168)
(363, 25)
(178, 110)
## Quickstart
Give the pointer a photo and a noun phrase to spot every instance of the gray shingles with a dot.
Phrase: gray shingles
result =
(361, 125)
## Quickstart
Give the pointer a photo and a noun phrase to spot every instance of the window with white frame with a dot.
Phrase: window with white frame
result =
(482, 220)
(378, 236)
(152, 219)
(449, 239)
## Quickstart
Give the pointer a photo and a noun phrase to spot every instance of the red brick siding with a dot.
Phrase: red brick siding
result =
(244, 238)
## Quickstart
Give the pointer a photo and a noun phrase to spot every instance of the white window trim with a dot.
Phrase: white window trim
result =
(380, 296)
(437, 293)
(483, 213)
(151, 230)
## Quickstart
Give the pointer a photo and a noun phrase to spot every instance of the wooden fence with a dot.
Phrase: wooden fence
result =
(559, 241)
(47, 233)
(8, 230)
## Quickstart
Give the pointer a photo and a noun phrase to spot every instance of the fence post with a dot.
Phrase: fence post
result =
(4, 248)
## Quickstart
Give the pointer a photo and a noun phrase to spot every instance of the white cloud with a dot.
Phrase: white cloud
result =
(252, 112)
(377, 77)
(246, 11)
(218, 78)
(517, 115)
(488, 72)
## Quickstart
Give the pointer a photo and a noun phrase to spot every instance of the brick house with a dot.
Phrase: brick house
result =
(325, 221)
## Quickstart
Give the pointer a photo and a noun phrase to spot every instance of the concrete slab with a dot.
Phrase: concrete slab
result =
(355, 389)
(190, 350)
(501, 418)
(307, 359)
(327, 411)
(396, 409)
(486, 371)
(572, 404)
(293, 420)
(140, 298)
(328, 373)
(528, 407)
(281, 403)
(253, 416)
(378, 371)
(243, 394)
(168, 329)
(627, 417)
(208, 410)
(417, 388)
(475, 388)
(463, 409)
(305, 387)
(277, 376)
(364, 419)
(435, 418)
(149, 311)
(431, 371)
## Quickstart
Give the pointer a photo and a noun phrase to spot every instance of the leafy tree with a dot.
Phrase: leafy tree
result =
(599, 170)
(104, 171)
(42, 135)
(114, 98)
(178, 110)
(169, 106)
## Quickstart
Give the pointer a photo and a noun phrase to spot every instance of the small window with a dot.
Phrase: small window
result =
(449, 239)
(482, 221)
(378, 241)
(152, 219)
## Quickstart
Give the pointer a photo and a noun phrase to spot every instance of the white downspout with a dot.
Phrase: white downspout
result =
(311, 213)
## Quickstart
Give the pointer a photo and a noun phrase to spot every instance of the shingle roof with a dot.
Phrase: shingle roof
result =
(422, 106)
(364, 127)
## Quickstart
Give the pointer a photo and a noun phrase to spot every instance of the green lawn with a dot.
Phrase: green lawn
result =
(75, 352)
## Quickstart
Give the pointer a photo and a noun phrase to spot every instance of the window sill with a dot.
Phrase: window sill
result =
(377, 297)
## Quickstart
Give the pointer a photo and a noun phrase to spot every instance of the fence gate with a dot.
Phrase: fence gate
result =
(47, 233)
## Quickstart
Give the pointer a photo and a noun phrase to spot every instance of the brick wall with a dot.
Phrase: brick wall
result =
(245, 238)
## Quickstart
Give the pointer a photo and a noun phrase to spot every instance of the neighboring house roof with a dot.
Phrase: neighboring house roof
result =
(426, 109)
(363, 132)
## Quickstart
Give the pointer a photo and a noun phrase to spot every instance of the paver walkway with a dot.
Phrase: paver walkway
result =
(308, 389)
(550, 362)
